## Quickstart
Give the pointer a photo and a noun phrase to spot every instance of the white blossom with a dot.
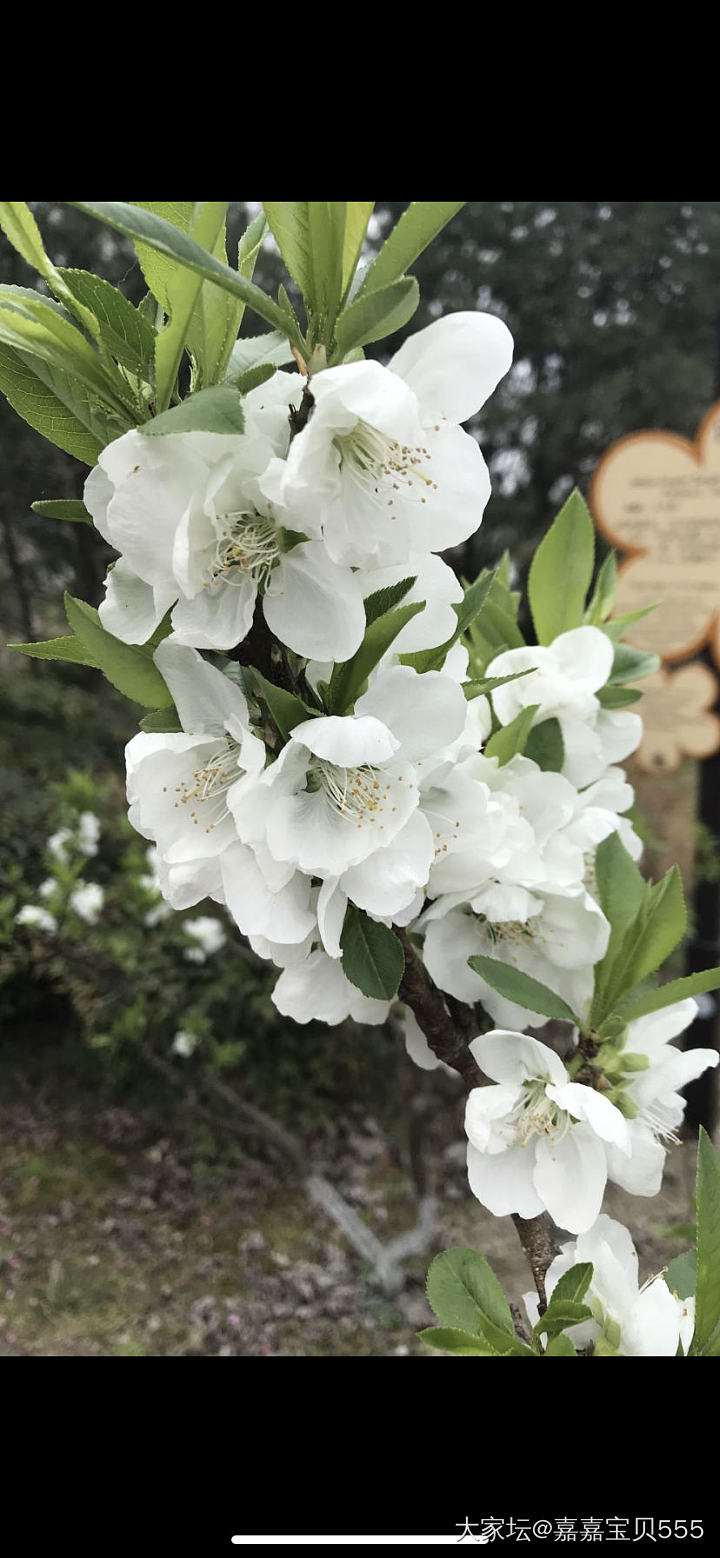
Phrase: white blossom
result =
(34, 914)
(87, 900)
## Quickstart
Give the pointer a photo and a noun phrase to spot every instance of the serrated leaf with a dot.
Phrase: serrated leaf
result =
(674, 990)
(447, 1340)
(129, 667)
(511, 739)
(124, 332)
(681, 1275)
(603, 598)
(181, 295)
(382, 601)
(19, 225)
(707, 1296)
(375, 315)
(561, 571)
(418, 225)
(161, 720)
(467, 610)
(35, 325)
(252, 378)
(520, 988)
(620, 891)
(255, 350)
(56, 405)
(630, 664)
(215, 410)
(573, 1284)
(488, 684)
(558, 1317)
(216, 317)
(617, 628)
(147, 228)
(349, 676)
(357, 216)
(286, 709)
(560, 1346)
(68, 648)
(463, 1291)
(546, 747)
(63, 508)
(372, 957)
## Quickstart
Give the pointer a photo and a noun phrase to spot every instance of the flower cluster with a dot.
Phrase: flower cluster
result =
(386, 780)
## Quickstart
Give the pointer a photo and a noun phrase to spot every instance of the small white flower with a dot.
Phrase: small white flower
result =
(48, 887)
(88, 833)
(209, 935)
(33, 914)
(639, 1321)
(318, 990)
(184, 1043)
(58, 845)
(87, 899)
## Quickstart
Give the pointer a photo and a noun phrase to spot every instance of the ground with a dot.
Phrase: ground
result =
(139, 1231)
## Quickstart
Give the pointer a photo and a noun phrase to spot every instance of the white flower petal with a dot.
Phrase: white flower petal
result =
(455, 363)
(502, 1181)
(570, 1177)
(313, 606)
(349, 742)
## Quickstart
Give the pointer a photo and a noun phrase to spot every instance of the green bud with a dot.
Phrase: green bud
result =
(632, 1062)
(621, 1101)
(612, 1333)
(609, 1060)
(604, 1349)
(616, 1031)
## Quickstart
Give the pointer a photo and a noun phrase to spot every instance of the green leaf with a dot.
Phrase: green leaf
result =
(603, 598)
(518, 987)
(630, 664)
(558, 1317)
(289, 222)
(19, 225)
(35, 325)
(417, 227)
(707, 1297)
(129, 667)
(373, 316)
(216, 317)
(546, 747)
(467, 610)
(560, 1346)
(216, 410)
(664, 926)
(561, 571)
(372, 957)
(511, 739)
(255, 350)
(124, 332)
(286, 710)
(57, 649)
(615, 629)
(573, 1284)
(63, 508)
(57, 405)
(181, 295)
(382, 601)
(252, 378)
(488, 684)
(463, 1291)
(160, 720)
(349, 676)
(681, 1275)
(162, 236)
(674, 990)
(357, 216)
(446, 1339)
(617, 697)
(621, 892)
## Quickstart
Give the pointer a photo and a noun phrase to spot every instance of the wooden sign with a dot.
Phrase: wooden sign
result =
(676, 718)
(657, 497)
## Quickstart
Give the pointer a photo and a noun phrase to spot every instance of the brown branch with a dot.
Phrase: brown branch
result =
(537, 1237)
(426, 1001)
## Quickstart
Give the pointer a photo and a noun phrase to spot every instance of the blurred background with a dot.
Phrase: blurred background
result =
(158, 1119)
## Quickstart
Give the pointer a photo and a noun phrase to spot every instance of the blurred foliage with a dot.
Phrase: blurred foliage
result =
(124, 979)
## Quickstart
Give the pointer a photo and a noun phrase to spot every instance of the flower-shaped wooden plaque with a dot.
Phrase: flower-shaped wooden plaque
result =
(657, 496)
(676, 719)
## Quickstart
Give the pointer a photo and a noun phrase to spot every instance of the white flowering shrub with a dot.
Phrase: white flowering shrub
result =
(391, 793)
